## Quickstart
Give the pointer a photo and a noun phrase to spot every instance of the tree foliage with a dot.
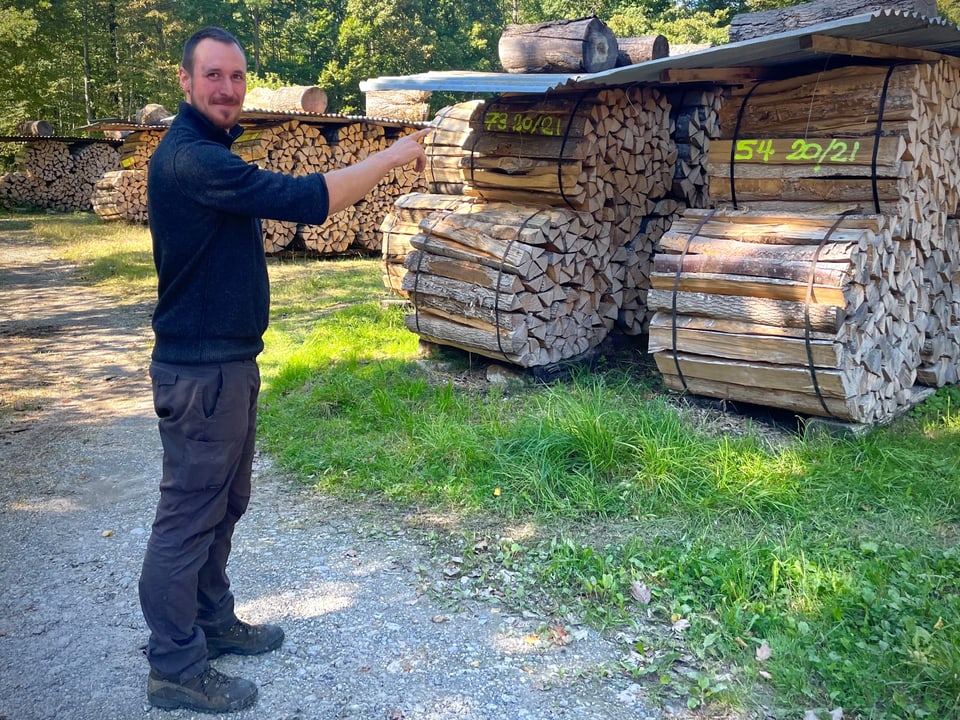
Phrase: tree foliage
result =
(74, 61)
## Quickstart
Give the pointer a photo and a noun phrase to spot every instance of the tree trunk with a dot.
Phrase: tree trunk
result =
(768, 22)
(560, 46)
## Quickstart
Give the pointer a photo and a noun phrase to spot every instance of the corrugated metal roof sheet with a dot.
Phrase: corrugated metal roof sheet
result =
(891, 27)
(253, 115)
(59, 138)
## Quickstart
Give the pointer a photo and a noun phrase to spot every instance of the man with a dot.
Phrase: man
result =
(204, 207)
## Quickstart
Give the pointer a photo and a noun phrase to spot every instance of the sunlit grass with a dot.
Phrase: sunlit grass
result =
(839, 554)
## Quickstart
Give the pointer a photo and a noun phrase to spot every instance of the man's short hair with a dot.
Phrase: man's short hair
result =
(212, 33)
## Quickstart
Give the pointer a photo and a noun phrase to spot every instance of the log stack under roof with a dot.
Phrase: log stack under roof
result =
(606, 155)
(825, 281)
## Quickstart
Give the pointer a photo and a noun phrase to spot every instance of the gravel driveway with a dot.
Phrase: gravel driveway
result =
(79, 467)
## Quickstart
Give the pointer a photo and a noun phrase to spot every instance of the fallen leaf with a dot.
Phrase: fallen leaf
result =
(439, 618)
(765, 675)
(640, 592)
(739, 641)
(939, 624)
(496, 492)
(107, 533)
(559, 635)
(763, 652)
(681, 624)
(532, 639)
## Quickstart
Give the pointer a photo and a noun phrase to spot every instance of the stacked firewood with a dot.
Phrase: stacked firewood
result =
(875, 138)
(122, 194)
(606, 156)
(525, 284)
(940, 356)
(298, 148)
(826, 281)
(818, 314)
(57, 175)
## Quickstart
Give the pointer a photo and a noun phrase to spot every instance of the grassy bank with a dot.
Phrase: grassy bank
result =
(737, 564)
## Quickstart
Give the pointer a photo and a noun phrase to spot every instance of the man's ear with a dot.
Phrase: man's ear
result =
(185, 83)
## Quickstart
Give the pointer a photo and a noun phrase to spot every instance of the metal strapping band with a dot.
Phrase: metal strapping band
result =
(733, 144)
(496, 289)
(476, 136)
(806, 312)
(563, 147)
(676, 287)
(876, 137)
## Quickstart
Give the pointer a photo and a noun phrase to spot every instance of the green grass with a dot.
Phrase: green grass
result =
(839, 554)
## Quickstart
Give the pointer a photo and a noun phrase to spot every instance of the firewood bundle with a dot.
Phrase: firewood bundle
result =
(525, 284)
(876, 138)
(585, 151)
(122, 195)
(57, 175)
(818, 314)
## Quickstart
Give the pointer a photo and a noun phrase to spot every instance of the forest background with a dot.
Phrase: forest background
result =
(71, 62)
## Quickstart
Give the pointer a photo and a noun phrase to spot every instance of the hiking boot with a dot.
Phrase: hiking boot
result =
(244, 639)
(209, 692)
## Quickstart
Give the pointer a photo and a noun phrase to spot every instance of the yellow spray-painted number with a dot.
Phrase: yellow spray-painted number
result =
(817, 152)
(525, 123)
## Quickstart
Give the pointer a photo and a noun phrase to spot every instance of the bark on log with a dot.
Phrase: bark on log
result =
(769, 22)
(560, 46)
(295, 98)
(635, 50)
(152, 114)
(35, 128)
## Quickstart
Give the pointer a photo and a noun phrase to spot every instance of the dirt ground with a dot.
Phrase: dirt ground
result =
(79, 466)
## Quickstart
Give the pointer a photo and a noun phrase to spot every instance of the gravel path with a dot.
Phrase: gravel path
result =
(79, 466)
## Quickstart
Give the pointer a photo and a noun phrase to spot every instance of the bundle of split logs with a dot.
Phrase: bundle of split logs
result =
(606, 156)
(57, 175)
(818, 314)
(297, 148)
(528, 285)
(826, 282)
(122, 194)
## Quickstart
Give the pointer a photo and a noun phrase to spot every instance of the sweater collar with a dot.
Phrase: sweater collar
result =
(193, 117)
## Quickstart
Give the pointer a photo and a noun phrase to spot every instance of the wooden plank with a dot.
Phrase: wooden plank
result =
(832, 383)
(750, 348)
(869, 49)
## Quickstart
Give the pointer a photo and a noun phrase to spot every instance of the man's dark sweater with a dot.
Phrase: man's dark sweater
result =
(205, 205)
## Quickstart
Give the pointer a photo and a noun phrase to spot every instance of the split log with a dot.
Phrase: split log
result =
(635, 50)
(559, 46)
(295, 98)
(769, 22)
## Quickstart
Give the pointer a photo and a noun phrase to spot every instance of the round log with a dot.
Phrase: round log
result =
(635, 50)
(561, 46)
(36, 128)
